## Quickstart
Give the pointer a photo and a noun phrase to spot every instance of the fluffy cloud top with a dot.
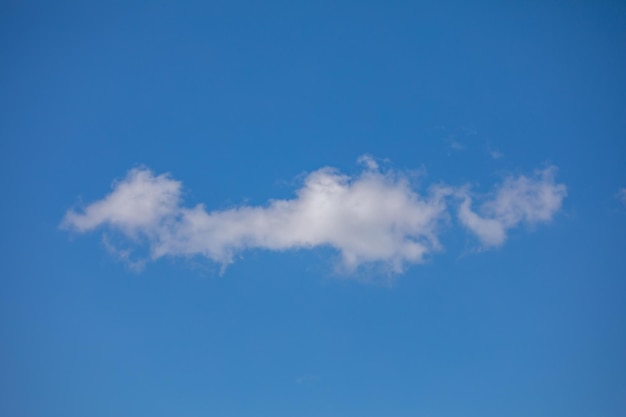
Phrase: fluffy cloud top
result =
(373, 217)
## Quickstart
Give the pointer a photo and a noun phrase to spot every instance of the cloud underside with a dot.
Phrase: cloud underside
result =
(373, 217)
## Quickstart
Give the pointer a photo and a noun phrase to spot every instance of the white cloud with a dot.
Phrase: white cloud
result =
(373, 217)
(139, 204)
(527, 200)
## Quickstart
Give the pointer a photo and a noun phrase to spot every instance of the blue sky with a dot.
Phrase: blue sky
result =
(313, 209)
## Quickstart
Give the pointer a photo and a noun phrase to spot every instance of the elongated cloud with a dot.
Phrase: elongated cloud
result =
(373, 217)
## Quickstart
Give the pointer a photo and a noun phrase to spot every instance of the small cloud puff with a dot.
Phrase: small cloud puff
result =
(521, 199)
(373, 217)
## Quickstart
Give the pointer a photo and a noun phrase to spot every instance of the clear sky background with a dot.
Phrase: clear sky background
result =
(240, 101)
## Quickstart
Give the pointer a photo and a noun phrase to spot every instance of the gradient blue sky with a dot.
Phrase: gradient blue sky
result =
(239, 101)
